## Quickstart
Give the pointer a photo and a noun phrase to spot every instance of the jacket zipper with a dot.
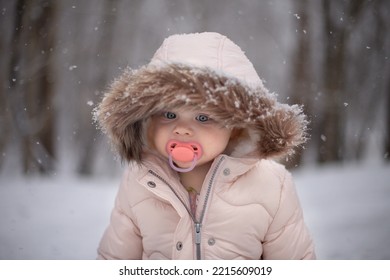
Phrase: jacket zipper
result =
(197, 224)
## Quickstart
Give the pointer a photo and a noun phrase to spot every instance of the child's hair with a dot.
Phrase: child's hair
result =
(205, 71)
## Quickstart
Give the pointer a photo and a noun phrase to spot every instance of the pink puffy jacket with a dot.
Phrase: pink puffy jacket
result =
(248, 209)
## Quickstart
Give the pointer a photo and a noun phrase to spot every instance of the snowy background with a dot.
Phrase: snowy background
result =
(347, 209)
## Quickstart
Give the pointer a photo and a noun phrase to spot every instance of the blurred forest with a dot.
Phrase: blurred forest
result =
(57, 57)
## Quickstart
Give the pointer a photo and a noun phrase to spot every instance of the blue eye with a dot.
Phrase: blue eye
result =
(202, 118)
(170, 115)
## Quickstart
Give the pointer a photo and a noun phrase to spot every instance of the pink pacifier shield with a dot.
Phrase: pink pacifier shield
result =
(184, 151)
(183, 154)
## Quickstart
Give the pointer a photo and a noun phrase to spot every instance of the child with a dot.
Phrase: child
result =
(200, 130)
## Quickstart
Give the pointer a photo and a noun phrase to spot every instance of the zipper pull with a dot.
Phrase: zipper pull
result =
(197, 233)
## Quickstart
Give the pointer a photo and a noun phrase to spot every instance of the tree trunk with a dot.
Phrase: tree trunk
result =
(301, 69)
(31, 83)
(387, 125)
(5, 126)
(104, 52)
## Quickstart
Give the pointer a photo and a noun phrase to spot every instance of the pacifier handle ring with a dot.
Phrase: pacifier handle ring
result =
(183, 170)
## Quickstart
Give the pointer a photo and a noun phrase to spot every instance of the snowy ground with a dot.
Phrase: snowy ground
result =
(347, 210)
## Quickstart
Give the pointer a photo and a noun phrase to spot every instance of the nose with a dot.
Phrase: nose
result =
(183, 130)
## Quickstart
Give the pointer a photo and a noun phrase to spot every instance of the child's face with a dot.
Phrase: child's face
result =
(189, 126)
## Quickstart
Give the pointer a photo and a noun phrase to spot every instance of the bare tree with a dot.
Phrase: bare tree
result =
(369, 79)
(301, 67)
(339, 18)
(387, 122)
(5, 128)
(102, 51)
(31, 83)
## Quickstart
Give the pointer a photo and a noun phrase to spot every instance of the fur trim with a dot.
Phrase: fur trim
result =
(270, 129)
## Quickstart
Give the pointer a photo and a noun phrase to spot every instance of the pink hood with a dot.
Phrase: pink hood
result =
(215, 51)
(205, 71)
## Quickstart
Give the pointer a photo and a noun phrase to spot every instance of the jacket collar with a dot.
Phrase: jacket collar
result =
(229, 171)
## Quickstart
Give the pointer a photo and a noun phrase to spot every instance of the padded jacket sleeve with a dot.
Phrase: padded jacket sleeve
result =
(288, 237)
(122, 239)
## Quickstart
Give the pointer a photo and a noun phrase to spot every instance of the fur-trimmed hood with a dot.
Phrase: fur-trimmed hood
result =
(207, 72)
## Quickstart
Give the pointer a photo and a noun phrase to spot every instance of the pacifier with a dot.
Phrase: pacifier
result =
(183, 152)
